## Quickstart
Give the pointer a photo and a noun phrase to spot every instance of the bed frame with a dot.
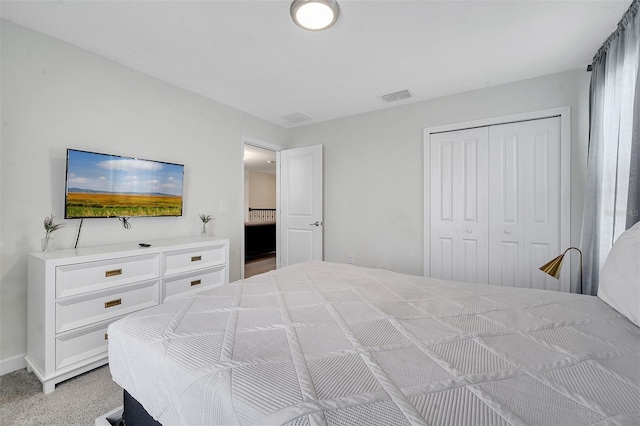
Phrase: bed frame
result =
(135, 414)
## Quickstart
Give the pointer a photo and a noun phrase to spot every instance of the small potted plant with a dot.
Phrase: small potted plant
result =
(205, 219)
(48, 242)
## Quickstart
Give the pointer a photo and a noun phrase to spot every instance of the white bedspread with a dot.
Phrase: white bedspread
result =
(320, 343)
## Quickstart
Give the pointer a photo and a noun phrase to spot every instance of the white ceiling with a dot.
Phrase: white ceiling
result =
(259, 160)
(251, 56)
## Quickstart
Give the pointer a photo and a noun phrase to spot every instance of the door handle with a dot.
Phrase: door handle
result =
(316, 223)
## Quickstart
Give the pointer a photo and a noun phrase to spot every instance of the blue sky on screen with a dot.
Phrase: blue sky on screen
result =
(107, 173)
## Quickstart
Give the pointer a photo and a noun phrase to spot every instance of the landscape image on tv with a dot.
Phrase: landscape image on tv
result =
(102, 185)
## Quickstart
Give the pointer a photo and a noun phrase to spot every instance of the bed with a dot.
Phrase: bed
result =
(321, 343)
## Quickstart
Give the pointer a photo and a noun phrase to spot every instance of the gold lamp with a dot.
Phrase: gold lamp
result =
(554, 266)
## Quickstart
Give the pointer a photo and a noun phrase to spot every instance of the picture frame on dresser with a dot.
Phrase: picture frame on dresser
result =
(73, 296)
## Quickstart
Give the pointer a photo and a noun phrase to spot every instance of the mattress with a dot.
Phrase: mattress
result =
(319, 343)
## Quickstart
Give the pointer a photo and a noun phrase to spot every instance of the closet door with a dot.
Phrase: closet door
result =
(459, 205)
(524, 195)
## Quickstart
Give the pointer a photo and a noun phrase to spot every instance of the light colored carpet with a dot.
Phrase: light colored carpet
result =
(78, 401)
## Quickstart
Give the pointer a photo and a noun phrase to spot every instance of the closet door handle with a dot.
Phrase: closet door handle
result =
(469, 231)
(506, 231)
(316, 223)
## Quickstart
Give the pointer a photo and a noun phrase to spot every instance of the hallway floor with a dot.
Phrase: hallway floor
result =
(260, 265)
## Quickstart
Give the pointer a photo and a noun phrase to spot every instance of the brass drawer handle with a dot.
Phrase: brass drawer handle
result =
(196, 282)
(112, 303)
(113, 273)
(196, 258)
(106, 336)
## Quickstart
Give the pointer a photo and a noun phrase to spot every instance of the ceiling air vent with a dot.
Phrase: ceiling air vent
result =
(296, 117)
(396, 96)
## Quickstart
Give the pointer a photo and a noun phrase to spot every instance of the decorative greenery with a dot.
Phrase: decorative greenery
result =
(206, 218)
(49, 226)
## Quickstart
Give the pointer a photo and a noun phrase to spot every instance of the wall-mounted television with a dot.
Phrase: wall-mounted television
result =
(104, 185)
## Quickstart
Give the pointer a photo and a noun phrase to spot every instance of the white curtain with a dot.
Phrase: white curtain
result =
(611, 198)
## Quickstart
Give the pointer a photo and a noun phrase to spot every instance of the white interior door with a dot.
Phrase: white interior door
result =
(300, 205)
(499, 189)
(525, 182)
(459, 205)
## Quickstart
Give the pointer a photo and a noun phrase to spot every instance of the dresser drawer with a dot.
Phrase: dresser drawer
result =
(181, 261)
(77, 347)
(100, 306)
(185, 285)
(85, 277)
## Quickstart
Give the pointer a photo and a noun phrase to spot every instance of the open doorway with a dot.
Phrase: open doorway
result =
(260, 203)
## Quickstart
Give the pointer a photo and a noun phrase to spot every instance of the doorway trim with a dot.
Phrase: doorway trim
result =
(246, 140)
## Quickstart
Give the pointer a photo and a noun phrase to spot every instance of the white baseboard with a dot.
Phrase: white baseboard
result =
(12, 364)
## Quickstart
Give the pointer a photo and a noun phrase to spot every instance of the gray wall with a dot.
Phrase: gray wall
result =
(373, 165)
(56, 96)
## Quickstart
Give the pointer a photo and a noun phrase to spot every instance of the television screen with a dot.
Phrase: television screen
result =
(102, 185)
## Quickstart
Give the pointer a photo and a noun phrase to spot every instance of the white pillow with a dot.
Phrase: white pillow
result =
(619, 284)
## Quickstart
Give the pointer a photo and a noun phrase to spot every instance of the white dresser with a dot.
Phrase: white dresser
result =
(73, 295)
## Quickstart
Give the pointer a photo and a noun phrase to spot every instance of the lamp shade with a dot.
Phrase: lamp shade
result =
(553, 267)
(315, 15)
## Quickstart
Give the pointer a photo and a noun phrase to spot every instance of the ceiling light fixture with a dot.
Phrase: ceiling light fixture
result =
(315, 15)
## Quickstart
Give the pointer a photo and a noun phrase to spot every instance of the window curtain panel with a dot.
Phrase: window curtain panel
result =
(612, 199)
